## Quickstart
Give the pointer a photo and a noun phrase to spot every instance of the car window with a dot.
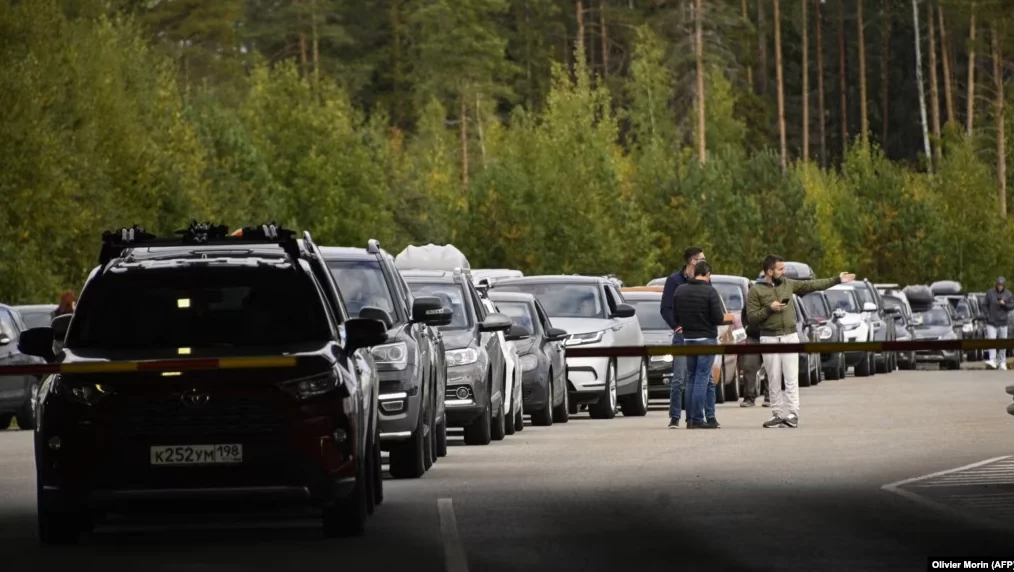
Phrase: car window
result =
(842, 300)
(616, 294)
(520, 313)
(648, 315)
(934, 317)
(36, 318)
(477, 301)
(362, 284)
(452, 296)
(7, 326)
(564, 300)
(731, 294)
(543, 317)
(864, 295)
(814, 306)
(201, 307)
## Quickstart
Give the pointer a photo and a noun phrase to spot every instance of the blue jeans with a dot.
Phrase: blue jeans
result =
(702, 391)
(676, 384)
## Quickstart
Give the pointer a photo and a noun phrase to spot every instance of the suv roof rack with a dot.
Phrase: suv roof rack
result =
(114, 243)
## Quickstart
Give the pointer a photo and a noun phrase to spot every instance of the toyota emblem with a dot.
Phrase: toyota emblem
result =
(194, 399)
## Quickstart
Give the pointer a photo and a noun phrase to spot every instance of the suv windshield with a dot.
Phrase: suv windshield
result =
(200, 307)
(362, 284)
(962, 311)
(842, 300)
(934, 317)
(563, 300)
(520, 313)
(37, 318)
(648, 314)
(731, 294)
(452, 296)
(863, 293)
(814, 306)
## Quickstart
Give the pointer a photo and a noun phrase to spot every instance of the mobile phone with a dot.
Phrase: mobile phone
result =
(786, 301)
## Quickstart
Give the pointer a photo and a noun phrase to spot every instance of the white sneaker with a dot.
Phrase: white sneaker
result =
(1003, 366)
(990, 364)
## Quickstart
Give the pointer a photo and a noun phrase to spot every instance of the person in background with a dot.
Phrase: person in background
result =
(999, 303)
(769, 305)
(698, 308)
(68, 302)
(691, 257)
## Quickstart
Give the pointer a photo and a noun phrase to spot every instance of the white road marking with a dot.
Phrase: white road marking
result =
(454, 551)
(959, 514)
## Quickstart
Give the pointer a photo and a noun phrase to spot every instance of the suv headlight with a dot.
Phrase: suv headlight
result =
(824, 332)
(463, 356)
(84, 393)
(850, 327)
(393, 356)
(313, 385)
(968, 328)
(529, 362)
(583, 339)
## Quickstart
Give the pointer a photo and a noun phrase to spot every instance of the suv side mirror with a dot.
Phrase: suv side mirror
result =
(496, 322)
(374, 313)
(430, 310)
(556, 334)
(869, 307)
(517, 332)
(623, 311)
(364, 333)
(38, 342)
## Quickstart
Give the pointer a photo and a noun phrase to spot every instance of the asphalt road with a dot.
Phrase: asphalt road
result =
(631, 494)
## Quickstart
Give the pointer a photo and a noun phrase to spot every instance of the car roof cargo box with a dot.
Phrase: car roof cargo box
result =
(799, 271)
(920, 297)
(431, 257)
(946, 287)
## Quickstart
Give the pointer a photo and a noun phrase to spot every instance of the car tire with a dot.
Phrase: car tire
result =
(498, 428)
(842, 367)
(731, 389)
(561, 412)
(347, 517)
(409, 459)
(60, 521)
(636, 404)
(378, 471)
(430, 452)
(863, 367)
(519, 418)
(804, 373)
(371, 479)
(442, 437)
(884, 364)
(545, 416)
(434, 435)
(478, 432)
(605, 407)
(509, 427)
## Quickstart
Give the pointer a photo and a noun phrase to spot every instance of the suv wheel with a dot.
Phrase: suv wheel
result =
(605, 407)
(347, 517)
(636, 404)
(429, 451)
(378, 471)
(60, 521)
(544, 417)
(863, 367)
(519, 416)
(442, 437)
(478, 432)
(409, 459)
(498, 430)
(561, 412)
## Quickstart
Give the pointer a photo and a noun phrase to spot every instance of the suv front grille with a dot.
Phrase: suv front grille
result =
(167, 416)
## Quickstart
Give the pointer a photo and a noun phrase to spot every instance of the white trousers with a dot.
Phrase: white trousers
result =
(994, 332)
(783, 403)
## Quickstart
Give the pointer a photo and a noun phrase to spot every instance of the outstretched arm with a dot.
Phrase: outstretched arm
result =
(803, 287)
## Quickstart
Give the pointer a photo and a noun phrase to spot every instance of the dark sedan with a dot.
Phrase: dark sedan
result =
(543, 363)
(656, 332)
(828, 329)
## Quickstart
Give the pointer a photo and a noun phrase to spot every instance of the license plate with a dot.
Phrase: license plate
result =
(196, 454)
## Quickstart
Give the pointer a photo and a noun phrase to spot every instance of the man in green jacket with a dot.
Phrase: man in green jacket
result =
(769, 306)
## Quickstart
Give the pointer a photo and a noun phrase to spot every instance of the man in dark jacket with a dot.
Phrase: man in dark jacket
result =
(691, 257)
(999, 303)
(769, 306)
(697, 307)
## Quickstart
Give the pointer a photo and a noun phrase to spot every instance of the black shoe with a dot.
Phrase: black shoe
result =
(674, 423)
(692, 425)
(774, 422)
(715, 423)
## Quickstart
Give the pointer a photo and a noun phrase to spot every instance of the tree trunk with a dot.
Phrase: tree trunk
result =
(918, 75)
(970, 117)
(605, 40)
(701, 133)
(478, 127)
(820, 87)
(863, 117)
(316, 50)
(934, 88)
(945, 50)
(843, 79)
(749, 69)
(885, 74)
(1001, 152)
(580, 22)
(806, 85)
(777, 20)
(463, 123)
(762, 49)
(303, 59)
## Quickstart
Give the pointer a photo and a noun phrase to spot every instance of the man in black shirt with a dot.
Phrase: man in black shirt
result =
(697, 307)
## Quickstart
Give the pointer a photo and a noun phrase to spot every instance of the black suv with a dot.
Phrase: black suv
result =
(17, 392)
(228, 370)
(476, 367)
(413, 375)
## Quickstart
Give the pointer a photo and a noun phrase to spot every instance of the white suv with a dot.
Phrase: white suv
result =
(857, 322)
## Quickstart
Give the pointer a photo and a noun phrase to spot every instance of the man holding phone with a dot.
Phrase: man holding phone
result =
(769, 306)
(999, 304)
